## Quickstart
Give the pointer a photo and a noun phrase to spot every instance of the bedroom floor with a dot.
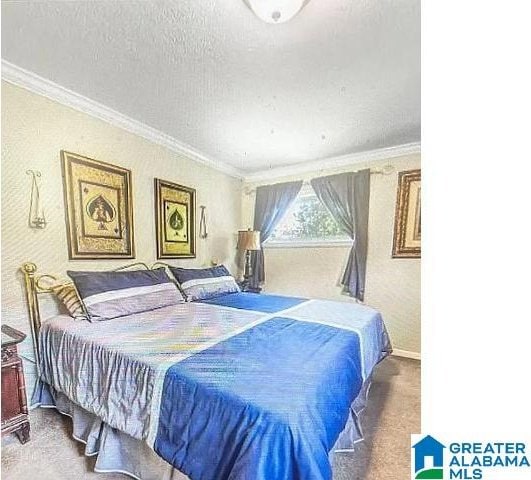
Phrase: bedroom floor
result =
(393, 413)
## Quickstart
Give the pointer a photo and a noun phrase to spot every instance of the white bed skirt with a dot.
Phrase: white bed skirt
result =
(120, 453)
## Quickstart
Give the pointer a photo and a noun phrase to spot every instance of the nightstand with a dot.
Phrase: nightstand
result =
(15, 417)
(245, 287)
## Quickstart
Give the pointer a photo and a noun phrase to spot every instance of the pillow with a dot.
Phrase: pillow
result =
(203, 283)
(107, 295)
(67, 295)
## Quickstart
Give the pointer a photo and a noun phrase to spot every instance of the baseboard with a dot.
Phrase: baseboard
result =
(406, 354)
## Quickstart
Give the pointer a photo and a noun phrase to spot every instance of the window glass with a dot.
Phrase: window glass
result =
(307, 220)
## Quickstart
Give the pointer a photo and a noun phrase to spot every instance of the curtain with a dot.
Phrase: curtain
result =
(272, 202)
(346, 196)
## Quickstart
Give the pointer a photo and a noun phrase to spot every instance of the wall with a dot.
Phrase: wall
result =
(34, 130)
(392, 285)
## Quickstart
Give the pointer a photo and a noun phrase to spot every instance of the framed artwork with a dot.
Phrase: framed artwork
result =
(406, 240)
(175, 220)
(98, 208)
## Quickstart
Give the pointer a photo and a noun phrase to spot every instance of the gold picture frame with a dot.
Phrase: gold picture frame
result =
(407, 234)
(175, 220)
(98, 208)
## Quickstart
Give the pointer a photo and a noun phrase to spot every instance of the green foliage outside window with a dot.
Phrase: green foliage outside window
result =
(308, 219)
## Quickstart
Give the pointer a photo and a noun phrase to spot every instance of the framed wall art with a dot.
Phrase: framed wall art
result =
(98, 208)
(175, 220)
(406, 240)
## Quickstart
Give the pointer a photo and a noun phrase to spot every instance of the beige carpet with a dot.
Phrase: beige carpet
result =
(393, 413)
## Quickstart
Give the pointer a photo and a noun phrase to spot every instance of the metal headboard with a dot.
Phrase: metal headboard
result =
(34, 287)
(160, 264)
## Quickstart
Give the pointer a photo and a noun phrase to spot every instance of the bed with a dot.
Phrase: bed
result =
(235, 387)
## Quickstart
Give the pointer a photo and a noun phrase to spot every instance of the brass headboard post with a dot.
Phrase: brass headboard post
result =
(29, 270)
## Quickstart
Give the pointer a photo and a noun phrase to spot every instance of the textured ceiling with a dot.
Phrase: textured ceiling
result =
(341, 77)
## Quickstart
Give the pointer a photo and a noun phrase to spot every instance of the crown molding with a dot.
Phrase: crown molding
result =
(34, 83)
(334, 162)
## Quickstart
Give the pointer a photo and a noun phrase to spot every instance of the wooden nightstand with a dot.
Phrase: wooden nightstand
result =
(14, 404)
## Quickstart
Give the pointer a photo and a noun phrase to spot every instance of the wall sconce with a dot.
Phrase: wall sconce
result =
(276, 11)
(36, 213)
(202, 223)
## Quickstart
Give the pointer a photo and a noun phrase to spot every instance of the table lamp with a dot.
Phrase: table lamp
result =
(248, 240)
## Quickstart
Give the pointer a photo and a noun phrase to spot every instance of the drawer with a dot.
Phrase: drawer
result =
(12, 404)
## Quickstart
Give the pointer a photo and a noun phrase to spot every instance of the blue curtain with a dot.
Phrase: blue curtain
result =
(346, 196)
(272, 202)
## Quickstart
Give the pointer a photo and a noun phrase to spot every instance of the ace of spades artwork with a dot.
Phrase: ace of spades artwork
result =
(100, 215)
(175, 217)
(176, 222)
(101, 211)
(99, 208)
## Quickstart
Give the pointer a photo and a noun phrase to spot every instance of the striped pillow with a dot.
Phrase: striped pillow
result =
(107, 295)
(67, 294)
(203, 283)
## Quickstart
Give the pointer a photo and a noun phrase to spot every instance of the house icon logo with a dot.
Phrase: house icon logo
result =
(428, 458)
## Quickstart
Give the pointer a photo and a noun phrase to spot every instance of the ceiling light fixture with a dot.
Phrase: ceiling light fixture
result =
(276, 11)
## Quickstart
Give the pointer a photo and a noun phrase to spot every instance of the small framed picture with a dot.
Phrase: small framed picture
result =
(99, 210)
(406, 240)
(175, 220)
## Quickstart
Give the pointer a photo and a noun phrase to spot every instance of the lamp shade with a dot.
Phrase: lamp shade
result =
(249, 240)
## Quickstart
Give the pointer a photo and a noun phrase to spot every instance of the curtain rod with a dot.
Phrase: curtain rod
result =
(385, 170)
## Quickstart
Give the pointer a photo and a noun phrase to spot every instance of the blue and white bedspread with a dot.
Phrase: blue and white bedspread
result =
(238, 387)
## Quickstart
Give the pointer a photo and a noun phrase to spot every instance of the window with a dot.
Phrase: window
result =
(307, 223)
